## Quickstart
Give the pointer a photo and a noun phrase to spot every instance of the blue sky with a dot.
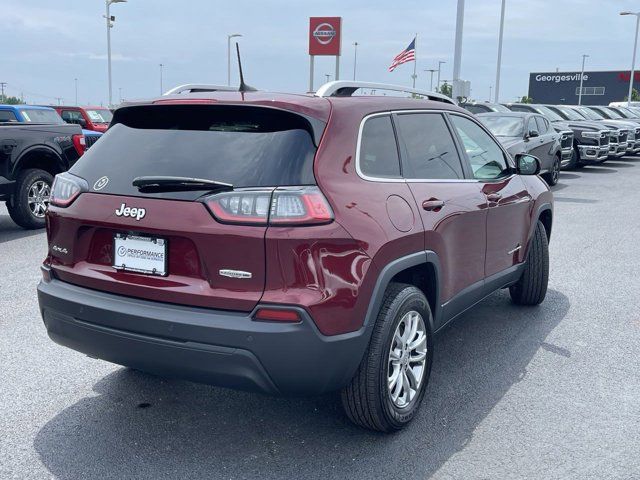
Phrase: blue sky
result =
(48, 43)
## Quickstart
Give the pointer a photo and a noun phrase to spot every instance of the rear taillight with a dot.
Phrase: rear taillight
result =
(293, 206)
(79, 143)
(66, 188)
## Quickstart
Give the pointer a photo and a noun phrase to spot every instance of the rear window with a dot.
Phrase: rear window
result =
(41, 115)
(241, 145)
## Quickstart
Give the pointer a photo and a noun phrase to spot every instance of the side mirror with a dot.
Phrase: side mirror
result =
(527, 164)
(82, 122)
(533, 133)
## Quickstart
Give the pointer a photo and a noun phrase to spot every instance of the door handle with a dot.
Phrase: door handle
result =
(433, 205)
(494, 197)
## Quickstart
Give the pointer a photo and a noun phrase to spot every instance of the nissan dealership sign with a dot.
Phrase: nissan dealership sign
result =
(324, 35)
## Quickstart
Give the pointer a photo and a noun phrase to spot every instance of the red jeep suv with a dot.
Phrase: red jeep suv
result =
(290, 244)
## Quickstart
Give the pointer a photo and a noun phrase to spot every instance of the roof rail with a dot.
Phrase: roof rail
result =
(200, 87)
(346, 88)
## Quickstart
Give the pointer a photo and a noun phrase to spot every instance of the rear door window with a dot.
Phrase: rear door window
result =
(430, 149)
(241, 145)
(542, 126)
(378, 155)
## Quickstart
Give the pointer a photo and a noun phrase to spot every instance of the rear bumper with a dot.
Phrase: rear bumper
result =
(222, 348)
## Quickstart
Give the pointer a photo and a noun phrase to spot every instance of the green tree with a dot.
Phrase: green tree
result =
(445, 89)
(10, 100)
(635, 96)
(526, 99)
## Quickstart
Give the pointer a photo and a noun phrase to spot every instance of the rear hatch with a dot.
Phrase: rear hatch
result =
(196, 241)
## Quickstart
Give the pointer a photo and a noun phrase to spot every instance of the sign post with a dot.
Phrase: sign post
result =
(325, 39)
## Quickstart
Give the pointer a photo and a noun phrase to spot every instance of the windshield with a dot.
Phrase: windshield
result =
(504, 126)
(612, 113)
(550, 114)
(100, 116)
(591, 114)
(242, 146)
(36, 115)
(570, 113)
(627, 112)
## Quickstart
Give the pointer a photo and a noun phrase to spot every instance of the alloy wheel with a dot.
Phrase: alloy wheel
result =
(38, 198)
(407, 359)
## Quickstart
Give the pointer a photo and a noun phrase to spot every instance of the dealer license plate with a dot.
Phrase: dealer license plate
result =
(140, 254)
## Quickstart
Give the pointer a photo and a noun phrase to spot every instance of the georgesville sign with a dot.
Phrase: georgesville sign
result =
(324, 35)
(599, 88)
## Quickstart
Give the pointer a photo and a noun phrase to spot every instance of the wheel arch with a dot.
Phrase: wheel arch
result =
(41, 157)
(421, 269)
(545, 215)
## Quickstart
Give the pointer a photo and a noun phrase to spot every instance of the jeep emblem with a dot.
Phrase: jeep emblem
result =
(133, 212)
(101, 183)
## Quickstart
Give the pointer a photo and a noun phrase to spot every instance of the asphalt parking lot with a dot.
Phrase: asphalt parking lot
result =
(546, 392)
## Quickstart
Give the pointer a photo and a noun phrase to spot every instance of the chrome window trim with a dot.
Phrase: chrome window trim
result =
(427, 180)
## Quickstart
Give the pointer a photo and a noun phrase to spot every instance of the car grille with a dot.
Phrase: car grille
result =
(90, 140)
(604, 138)
(622, 137)
(613, 137)
(567, 140)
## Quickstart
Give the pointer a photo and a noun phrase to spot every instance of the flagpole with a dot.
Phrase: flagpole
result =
(415, 60)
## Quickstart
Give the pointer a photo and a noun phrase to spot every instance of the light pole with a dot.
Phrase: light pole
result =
(229, 37)
(120, 94)
(110, 21)
(76, 84)
(584, 57)
(439, 70)
(161, 89)
(499, 52)
(491, 87)
(432, 70)
(633, 60)
(328, 75)
(355, 58)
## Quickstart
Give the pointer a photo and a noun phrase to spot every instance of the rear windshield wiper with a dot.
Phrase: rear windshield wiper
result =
(178, 184)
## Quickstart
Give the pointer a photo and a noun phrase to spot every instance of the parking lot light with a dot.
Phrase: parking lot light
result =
(584, 57)
(229, 37)
(109, 27)
(633, 60)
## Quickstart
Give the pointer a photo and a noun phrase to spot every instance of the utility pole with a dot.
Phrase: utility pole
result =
(110, 21)
(439, 70)
(328, 75)
(76, 82)
(3, 98)
(432, 70)
(120, 94)
(161, 89)
(499, 52)
(355, 58)
(59, 99)
(584, 57)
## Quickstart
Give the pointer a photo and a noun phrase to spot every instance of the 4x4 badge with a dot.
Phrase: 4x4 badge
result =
(101, 183)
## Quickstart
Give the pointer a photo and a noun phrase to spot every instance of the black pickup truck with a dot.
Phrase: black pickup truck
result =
(30, 155)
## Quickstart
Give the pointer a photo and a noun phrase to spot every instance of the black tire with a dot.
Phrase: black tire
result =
(18, 207)
(367, 400)
(531, 288)
(575, 159)
(554, 175)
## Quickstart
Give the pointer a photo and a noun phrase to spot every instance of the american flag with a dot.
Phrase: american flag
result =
(407, 55)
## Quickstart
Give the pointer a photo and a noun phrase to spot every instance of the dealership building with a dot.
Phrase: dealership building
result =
(598, 88)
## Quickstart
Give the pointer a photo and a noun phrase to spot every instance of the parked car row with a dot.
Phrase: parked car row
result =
(36, 143)
(579, 135)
